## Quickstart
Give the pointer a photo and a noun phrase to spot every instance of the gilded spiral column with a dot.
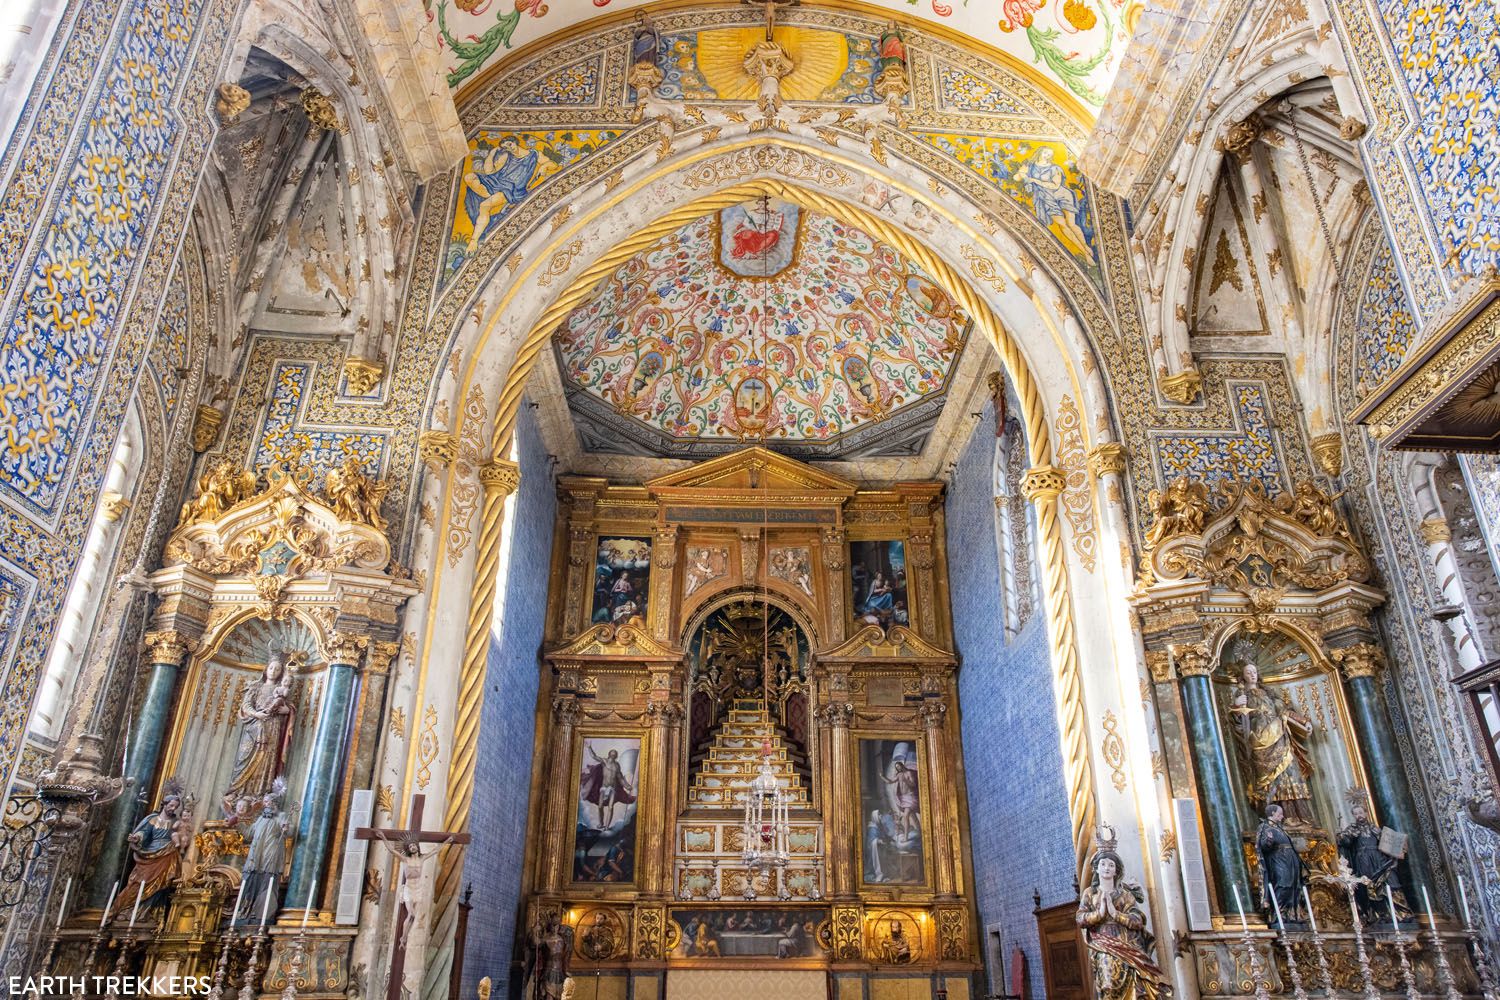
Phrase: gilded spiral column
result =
(1042, 485)
(500, 479)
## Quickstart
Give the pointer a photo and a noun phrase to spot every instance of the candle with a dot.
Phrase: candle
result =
(140, 889)
(239, 898)
(1391, 902)
(1463, 894)
(1244, 924)
(265, 911)
(1427, 904)
(62, 910)
(1311, 916)
(104, 917)
(1276, 904)
(307, 907)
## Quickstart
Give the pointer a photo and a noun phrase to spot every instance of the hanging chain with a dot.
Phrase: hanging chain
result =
(1338, 267)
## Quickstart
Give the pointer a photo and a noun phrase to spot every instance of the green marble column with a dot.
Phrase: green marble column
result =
(325, 766)
(1377, 744)
(168, 651)
(1216, 794)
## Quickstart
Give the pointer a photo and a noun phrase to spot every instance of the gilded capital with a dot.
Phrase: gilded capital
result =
(232, 102)
(933, 713)
(1435, 530)
(1328, 452)
(379, 656)
(438, 448)
(500, 477)
(206, 421)
(362, 375)
(1043, 483)
(321, 112)
(836, 714)
(169, 647)
(1183, 387)
(1107, 459)
(1363, 659)
(565, 710)
(345, 647)
(1193, 660)
(1159, 662)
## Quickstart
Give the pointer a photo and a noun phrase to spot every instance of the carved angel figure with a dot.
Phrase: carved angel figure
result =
(355, 496)
(221, 486)
(1314, 508)
(1179, 511)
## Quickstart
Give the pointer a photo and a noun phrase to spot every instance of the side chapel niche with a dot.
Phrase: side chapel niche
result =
(1256, 615)
(268, 655)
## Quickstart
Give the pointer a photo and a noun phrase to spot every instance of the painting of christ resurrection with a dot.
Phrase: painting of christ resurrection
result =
(605, 834)
(891, 804)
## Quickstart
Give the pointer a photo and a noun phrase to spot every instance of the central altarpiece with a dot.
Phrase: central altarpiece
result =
(750, 612)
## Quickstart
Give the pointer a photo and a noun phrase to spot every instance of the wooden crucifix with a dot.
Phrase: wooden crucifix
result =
(411, 918)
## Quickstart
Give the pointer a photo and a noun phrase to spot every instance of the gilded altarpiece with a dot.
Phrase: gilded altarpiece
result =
(1256, 613)
(754, 642)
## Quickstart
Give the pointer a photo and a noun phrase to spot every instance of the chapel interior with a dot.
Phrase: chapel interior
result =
(696, 499)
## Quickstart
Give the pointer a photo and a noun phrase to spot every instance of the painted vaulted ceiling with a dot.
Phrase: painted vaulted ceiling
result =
(1075, 45)
(762, 320)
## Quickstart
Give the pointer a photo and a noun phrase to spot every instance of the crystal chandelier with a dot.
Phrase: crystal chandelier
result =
(766, 826)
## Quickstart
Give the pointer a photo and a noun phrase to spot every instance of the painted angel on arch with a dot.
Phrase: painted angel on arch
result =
(497, 180)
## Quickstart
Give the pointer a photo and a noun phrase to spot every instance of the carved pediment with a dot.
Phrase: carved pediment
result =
(1249, 542)
(606, 641)
(753, 476)
(283, 532)
(900, 644)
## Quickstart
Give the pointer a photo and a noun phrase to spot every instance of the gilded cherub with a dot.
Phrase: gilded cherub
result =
(220, 487)
(1311, 506)
(1179, 511)
(355, 496)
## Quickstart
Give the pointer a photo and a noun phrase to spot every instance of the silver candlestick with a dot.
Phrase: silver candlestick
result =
(247, 991)
(1407, 975)
(1317, 939)
(1349, 881)
(294, 967)
(1286, 944)
(1257, 968)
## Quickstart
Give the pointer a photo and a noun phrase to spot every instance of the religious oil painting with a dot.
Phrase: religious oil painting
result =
(605, 837)
(878, 573)
(622, 575)
(890, 799)
(741, 932)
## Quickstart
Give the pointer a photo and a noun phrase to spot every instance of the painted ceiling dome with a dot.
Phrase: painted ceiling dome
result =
(762, 320)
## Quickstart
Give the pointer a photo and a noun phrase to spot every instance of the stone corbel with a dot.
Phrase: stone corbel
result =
(206, 423)
(1328, 452)
(362, 375)
(1183, 387)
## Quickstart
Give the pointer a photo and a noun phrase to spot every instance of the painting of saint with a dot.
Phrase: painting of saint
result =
(622, 579)
(758, 238)
(749, 932)
(604, 837)
(704, 565)
(496, 181)
(878, 572)
(891, 802)
(1055, 202)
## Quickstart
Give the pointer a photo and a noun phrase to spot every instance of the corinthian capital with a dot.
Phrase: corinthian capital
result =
(345, 647)
(836, 714)
(169, 647)
(1193, 660)
(1363, 659)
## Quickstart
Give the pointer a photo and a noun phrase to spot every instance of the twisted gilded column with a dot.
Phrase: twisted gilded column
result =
(500, 478)
(943, 850)
(324, 768)
(1359, 664)
(1042, 485)
(835, 717)
(1216, 793)
(167, 651)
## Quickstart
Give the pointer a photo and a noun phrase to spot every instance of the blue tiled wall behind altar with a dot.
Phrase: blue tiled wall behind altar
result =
(507, 725)
(1018, 809)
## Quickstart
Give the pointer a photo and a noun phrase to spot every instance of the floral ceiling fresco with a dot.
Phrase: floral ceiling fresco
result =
(762, 320)
(1074, 44)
